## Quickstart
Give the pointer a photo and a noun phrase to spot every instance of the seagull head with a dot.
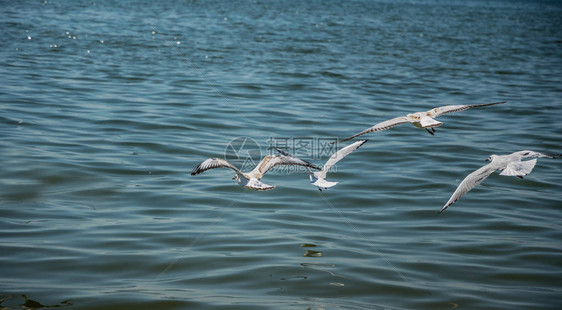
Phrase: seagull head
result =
(239, 178)
(491, 158)
(414, 116)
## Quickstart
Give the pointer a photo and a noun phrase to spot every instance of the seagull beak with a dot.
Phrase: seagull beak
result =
(487, 159)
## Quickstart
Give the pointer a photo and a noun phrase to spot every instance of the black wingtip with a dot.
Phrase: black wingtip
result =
(494, 103)
(278, 150)
(362, 143)
(195, 170)
(313, 166)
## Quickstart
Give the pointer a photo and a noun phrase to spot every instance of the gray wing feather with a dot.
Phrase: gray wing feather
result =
(311, 165)
(384, 125)
(532, 154)
(282, 152)
(213, 163)
(457, 108)
(337, 156)
(271, 161)
(471, 181)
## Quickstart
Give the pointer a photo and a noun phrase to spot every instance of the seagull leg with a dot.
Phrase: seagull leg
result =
(430, 132)
(319, 189)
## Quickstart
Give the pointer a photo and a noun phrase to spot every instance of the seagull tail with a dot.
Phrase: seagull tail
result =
(258, 185)
(428, 122)
(322, 183)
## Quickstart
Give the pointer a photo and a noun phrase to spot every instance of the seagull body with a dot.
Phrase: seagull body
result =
(252, 179)
(510, 165)
(318, 178)
(425, 120)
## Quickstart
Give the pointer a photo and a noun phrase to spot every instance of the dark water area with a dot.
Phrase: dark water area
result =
(106, 107)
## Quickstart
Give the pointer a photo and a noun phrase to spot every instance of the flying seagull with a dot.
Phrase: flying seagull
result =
(318, 178)
(252, 179)
(421, 119)
(511, 164)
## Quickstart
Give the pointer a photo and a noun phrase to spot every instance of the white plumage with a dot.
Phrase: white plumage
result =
(252, 179)
(421, 119)
(318, 178)
(510, 165)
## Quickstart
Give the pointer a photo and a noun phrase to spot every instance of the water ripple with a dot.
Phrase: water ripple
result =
(106, 109)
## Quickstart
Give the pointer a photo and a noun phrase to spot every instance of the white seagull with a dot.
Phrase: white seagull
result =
(421, 119)
(318, 178)
(509, 164)
(252, 179)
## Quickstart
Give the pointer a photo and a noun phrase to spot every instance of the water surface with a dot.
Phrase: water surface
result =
(107, 106)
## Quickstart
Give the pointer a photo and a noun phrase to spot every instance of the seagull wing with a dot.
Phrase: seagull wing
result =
(337, 156)
(212, 163)
(271, 161)
(282, 152)
(519, 168)
(532, 154)
(457, 108)
(471, 181)
(289, 155)
(384, 125)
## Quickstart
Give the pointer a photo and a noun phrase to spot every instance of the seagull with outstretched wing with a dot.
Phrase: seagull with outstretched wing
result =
(510, 165)
(425, 120)
(318, 178)
(252, 179)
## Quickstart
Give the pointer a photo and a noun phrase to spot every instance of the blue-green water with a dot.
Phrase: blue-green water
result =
(107, 106)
